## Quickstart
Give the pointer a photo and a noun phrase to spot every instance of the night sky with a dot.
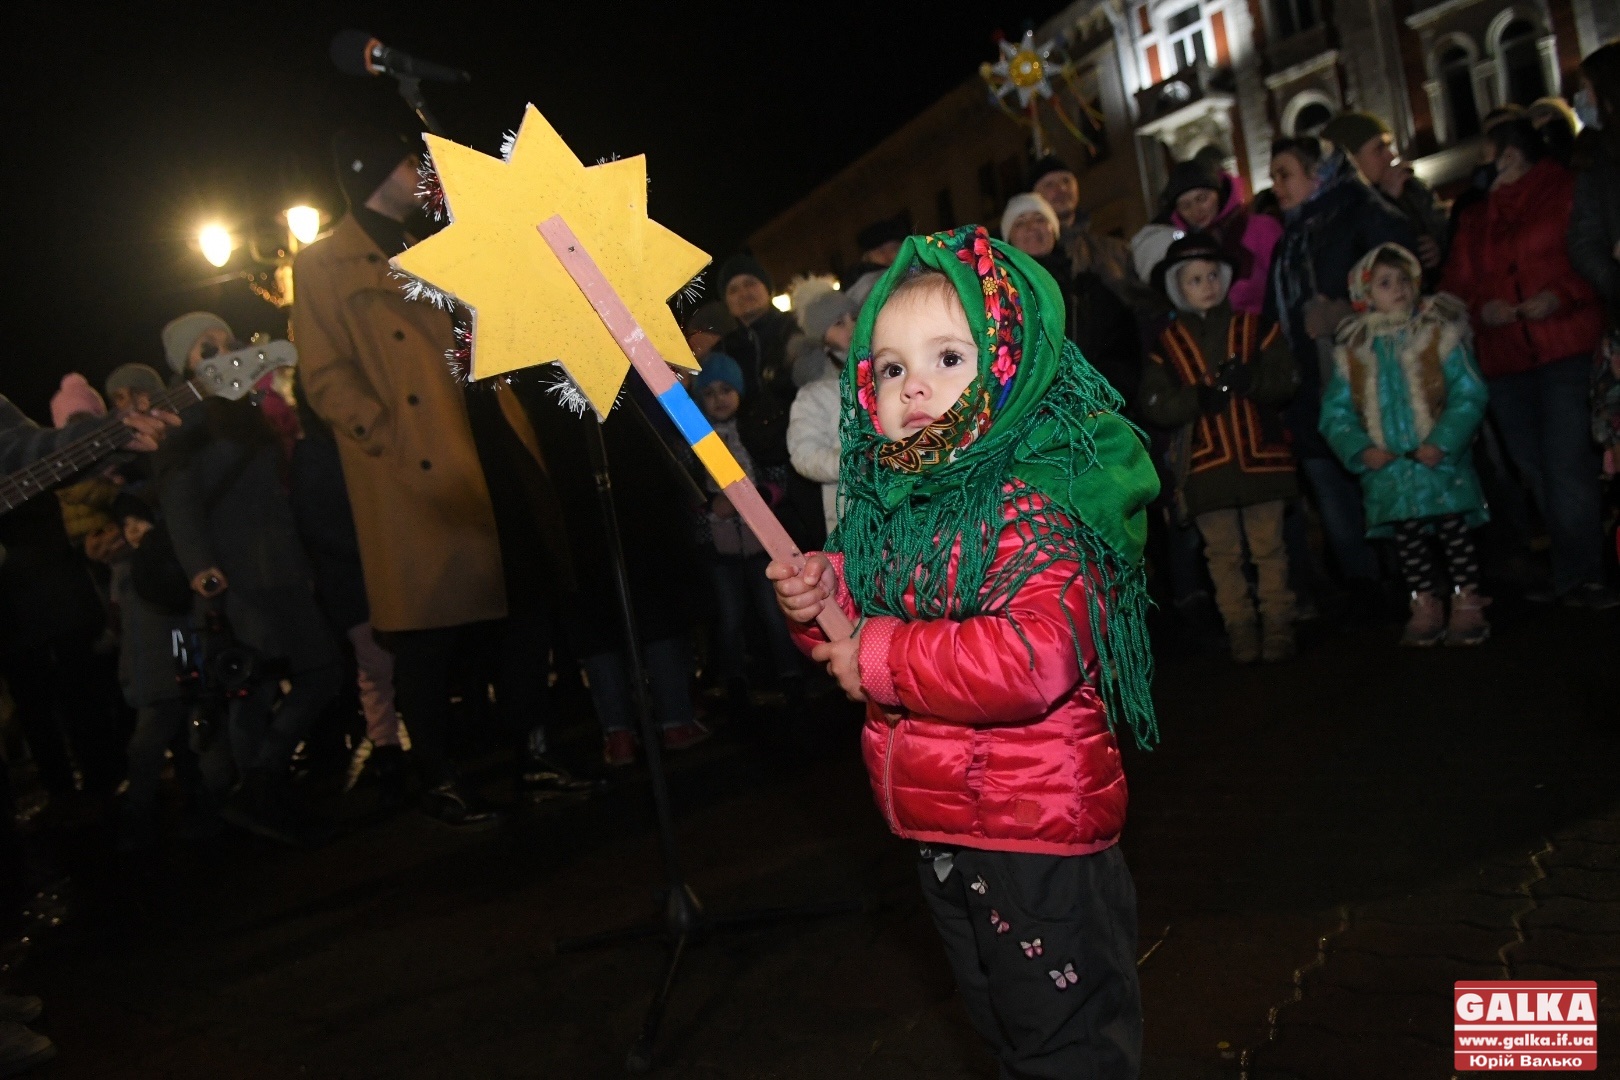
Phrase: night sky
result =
(125, 133)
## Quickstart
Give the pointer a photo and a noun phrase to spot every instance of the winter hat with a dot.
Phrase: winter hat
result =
(917, 508)
(1149, 245)
(1189, 176)
(363, 158)
(76, 397)
(862, 288)
(818, 306)
(1028, 203)
(888, 231)
(1195, 245)
(1350, 131)
(137, 378)
(718, 368)
(182, 333)
(710, 318)
(1051, 163)
(739, 264)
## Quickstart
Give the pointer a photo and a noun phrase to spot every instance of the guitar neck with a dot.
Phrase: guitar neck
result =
(105, 438)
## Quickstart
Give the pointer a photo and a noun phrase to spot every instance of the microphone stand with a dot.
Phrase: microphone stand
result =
(410, 88)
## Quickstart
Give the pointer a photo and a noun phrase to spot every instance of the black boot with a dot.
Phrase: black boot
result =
(262, 805)
(449, 805)
(540, 778)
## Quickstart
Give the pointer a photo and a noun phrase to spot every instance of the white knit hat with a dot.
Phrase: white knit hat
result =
(1028, 203)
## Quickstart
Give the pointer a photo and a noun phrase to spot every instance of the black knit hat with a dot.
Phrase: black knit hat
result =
(739, 264)
(711, 318)
(888, 231)
(364, 157)
(1194, 245)
(1051, 163)
(1189, 176)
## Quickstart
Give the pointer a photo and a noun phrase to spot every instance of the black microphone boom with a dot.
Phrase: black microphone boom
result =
(356, 52)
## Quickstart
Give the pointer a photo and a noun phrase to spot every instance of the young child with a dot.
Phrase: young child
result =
(1400, 411)
(990, 551)
(737, 568)
(1219, 378)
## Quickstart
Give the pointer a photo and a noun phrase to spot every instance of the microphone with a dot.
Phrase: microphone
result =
(356, 52)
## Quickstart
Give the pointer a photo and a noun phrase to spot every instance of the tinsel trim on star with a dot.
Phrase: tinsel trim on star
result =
(415, 288)
(508, 142)
(430, 189)
(567, 391)
(458, 357)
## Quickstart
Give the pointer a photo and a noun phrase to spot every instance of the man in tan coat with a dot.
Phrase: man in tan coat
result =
(373, 366)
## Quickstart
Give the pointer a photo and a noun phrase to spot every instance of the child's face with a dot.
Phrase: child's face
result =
(720, 402)
(839, 333)
(1391, 292)
(923, 358)
(1200, 282)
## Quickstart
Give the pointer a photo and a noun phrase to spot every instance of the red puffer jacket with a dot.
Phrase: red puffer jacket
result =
(984, 731)
(1510, 247)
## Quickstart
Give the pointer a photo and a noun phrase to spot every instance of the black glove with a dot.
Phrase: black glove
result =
(1212, 399)
(1238, 378)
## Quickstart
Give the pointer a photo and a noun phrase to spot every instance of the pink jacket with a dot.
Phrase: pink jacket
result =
(985, 731)
(1249, 238)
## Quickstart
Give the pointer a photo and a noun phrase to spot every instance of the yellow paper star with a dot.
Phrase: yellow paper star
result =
(526, 308)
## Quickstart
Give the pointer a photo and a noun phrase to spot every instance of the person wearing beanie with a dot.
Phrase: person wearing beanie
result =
(877, 244)
(1108, 257)
(1198, 198)
(219, 485)
(737, 559)
(812, 434)
(420, 457)
(760, 346)
(1368, 142)
(1030, 209)
(1218, 377)
(130, 386)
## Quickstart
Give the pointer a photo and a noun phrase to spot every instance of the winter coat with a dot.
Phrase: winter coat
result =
(320, 503)
(813, 442)
(373, 363)
(86, 507)
(1238, 456)
(1422, 210)
(1099, 323)
(1594, 223)
(146, 663)
(1511, 247)
(219, 487)
(1108, 257)
(1322, 241)
(1249, 238)
(1400, 386)
(986, 732)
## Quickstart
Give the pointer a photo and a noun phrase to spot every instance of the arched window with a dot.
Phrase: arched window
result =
(1312, 118)
(1521, 62)
(1456, 69)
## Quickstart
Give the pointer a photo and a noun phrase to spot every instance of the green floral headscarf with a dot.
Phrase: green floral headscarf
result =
(1038, 416)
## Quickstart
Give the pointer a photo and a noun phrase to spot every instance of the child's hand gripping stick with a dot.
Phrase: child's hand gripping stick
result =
(654, 371)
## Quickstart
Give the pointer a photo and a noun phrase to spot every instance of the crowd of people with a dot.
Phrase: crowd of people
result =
(1341, 381)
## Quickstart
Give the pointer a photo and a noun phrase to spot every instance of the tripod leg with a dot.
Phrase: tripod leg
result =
(641, 1054)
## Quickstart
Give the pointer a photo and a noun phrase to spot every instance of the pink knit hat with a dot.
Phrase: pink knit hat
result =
(76, 396)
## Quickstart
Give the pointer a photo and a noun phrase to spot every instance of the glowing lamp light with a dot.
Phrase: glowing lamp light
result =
(216, 244)
(305, 223)
(782, 302)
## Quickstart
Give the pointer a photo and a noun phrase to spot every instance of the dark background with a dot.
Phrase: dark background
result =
(125, 132)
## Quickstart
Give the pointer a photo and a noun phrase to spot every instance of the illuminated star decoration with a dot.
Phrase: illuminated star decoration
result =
(526, 308)
(1023, 70)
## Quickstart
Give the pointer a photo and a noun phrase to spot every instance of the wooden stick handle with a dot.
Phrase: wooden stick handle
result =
(654, 371)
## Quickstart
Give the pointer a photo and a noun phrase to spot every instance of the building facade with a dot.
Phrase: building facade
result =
(1169, 78)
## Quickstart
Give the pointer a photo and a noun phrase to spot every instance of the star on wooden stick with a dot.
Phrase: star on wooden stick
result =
(526, 308)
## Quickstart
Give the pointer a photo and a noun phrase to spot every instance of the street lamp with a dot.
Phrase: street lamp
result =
(304, 222)
(216, 244)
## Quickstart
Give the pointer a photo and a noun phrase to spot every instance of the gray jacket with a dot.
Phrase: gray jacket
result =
(146, 665)
(1594, 226)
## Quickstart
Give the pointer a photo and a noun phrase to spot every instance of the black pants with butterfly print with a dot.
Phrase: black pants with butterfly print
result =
(1044, 951)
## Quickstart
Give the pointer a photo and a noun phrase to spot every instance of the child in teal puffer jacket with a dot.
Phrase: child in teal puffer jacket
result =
(1400, 411)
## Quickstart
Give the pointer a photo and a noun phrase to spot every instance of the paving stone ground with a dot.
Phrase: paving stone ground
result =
(1320, 848)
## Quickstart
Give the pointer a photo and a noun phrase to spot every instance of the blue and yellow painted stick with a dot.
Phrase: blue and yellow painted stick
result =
(655, 371)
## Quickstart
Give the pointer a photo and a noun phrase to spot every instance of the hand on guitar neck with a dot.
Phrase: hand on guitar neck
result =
(149, 428)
